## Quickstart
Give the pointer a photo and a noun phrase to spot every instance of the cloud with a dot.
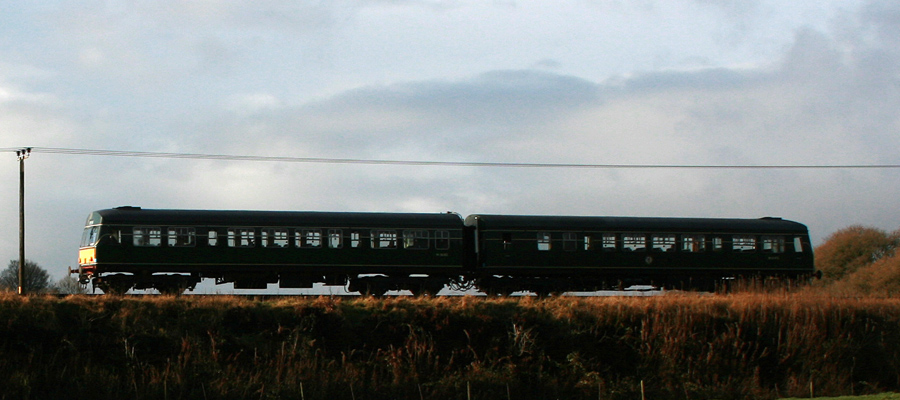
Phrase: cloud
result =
(809, 107)
(425, 119)
(829, 97)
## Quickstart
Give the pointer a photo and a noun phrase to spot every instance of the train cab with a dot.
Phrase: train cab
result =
(172, 250)
(560, 253)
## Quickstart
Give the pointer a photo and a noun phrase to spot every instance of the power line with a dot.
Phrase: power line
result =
(325, 160)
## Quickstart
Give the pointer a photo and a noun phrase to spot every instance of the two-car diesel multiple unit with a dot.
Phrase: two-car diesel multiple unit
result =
(172, 250)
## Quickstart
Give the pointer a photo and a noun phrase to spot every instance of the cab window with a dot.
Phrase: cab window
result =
(798, 244)
(90, 236)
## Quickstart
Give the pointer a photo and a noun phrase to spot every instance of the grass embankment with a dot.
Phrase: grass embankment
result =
(690, 346)
(882, 396)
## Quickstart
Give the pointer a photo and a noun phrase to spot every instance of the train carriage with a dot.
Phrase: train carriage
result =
(559, 253)
(171, 250)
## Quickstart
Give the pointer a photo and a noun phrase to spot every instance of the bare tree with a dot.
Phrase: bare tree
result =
(36, 279)
(69, 285)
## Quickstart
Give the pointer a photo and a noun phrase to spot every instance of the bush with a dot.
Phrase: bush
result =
(850, 249)
(881, 278)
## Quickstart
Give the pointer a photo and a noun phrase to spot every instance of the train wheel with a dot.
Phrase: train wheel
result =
(115, 288)
(375, 290)
(426, 290)
(170, 290)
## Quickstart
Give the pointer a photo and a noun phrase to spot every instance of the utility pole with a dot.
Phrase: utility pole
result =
(22, 155)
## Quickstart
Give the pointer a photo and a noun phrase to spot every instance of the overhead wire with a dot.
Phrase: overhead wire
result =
(327, 160)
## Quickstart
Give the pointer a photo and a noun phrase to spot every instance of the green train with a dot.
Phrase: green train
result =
(173, 250)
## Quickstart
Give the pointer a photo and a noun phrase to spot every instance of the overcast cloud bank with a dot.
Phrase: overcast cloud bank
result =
(810, 84)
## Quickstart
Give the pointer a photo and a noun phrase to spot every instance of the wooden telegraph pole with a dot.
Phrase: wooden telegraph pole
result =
(22, 155)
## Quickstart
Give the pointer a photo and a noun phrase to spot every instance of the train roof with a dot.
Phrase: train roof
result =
(623, 224)
(161, 217)
(170, 217)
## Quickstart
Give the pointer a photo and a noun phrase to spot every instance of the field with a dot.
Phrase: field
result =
(686, 346)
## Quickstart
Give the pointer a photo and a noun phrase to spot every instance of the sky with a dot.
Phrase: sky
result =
(643, 82)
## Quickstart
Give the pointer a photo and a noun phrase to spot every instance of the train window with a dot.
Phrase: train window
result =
(609, 241)
(442, 240)
(798, 244)
(181, 237)
(384, 239)
(335, 239)
(212, 238)
(354, 239)
(570, 241)
(743, 243)
(634, 242)
(147, 236)
(507, 241)
(693, 243)
(587, 242)
(309, 238)
(718, 244)
(241, 237)
(663, 243)
(90, 236)
(773, 244)
(543, 241)
(275, 238)
(417, 240)
(85, 235)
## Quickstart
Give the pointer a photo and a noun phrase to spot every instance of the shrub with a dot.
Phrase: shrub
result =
(881, 278)
(850, 249)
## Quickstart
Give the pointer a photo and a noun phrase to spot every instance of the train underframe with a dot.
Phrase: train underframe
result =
(430, 285)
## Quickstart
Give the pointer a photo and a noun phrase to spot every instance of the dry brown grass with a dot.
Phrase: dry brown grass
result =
(690, 346)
